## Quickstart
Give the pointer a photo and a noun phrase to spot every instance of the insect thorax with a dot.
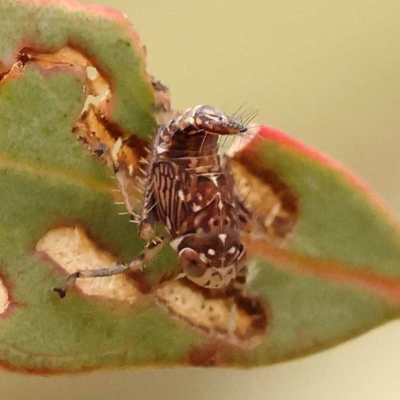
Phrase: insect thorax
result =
(191, 190)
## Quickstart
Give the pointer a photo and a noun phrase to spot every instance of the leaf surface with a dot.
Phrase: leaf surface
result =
(334, 276)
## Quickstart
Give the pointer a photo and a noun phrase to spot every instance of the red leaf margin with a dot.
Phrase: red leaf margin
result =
(95, 10)
(332, 271)
(266, 133)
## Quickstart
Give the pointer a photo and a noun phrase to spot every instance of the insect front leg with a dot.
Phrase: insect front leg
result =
(151, 249)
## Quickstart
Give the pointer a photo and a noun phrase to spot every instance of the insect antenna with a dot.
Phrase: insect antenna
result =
(244, 118)
(245, 115)
(250, 116)
(234, 115)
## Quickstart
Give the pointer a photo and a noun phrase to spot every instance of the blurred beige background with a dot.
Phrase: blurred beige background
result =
(326, 72)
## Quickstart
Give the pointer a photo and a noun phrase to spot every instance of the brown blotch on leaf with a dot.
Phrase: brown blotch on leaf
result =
(72, 250)
(205, 355)
(251, 306)
(64, 56)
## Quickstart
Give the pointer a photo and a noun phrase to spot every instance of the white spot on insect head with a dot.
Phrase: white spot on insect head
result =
(211, 252)
(222, 237)
(232, 250)
(4, 298)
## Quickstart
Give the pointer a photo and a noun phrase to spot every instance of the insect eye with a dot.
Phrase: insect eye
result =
(191, 262)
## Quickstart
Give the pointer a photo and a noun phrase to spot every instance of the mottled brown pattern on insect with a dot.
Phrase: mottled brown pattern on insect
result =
(191, 192)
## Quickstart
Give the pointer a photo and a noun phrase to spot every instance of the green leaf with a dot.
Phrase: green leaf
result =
(103, 35)
(334, 274)
(339, 274)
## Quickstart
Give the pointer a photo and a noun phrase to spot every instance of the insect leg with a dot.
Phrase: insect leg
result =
(151, 249)
(239, 284)
(252, 306)
(245, 217)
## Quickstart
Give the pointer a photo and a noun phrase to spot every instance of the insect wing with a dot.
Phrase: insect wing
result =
(169, 183)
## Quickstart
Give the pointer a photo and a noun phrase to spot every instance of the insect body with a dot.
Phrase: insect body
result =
(191, 192)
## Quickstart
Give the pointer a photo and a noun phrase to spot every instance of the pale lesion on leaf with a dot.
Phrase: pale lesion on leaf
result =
(64, 56)
(239, 320)
(5, 299)
(71, 249)
(273, 205)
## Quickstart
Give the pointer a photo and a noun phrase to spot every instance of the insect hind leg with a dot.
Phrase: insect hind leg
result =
(151, 249)
(239, 284)
(253, 306)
